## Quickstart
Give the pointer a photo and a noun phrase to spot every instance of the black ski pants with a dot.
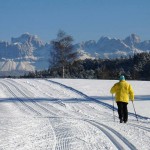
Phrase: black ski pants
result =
(122, 111)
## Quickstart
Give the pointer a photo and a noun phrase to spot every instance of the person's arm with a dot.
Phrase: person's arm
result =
(131, 93)
(113, 89)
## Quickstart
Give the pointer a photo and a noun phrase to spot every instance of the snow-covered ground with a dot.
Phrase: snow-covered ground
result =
(70, 114)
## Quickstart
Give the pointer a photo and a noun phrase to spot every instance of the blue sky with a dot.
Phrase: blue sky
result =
(83, 19)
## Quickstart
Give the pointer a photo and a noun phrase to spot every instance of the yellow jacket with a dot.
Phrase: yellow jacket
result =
(123, 91)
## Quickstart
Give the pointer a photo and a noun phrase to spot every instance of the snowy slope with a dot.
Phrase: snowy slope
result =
(56, 114)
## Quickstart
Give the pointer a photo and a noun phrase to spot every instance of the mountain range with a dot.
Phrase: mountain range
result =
(29, 53)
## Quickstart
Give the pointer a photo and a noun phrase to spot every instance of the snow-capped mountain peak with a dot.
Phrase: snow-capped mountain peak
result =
(27, 38)
(31, 52)
(132, 40)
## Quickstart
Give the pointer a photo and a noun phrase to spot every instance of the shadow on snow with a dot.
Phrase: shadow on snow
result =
(72, 100)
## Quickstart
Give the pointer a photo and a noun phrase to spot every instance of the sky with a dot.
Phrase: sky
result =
(83, 19)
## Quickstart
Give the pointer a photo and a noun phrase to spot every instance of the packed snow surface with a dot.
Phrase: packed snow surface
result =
(70, 114)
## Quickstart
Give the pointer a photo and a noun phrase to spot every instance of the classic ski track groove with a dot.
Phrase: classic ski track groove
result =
(59, 100)
(12, 98)
(61, 143)
(29, 107)
(139, 126)
(108, 134)
(80, 93)
(20, 100)
(97, 124)
(60, 103)
(33, 101)
(65, 94)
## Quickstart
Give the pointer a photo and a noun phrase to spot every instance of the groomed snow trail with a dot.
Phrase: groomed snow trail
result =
(38, 114)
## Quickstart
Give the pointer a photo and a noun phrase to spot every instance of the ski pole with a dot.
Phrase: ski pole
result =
(135, 111)
(113, 108)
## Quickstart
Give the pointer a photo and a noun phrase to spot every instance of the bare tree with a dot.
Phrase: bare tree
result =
(62, 51)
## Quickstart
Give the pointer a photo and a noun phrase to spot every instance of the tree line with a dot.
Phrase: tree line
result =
(136, 67)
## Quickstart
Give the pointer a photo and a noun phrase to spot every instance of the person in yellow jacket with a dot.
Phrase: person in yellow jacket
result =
(123, 93)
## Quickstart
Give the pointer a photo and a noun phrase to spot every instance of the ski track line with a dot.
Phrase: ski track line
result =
(20, 100)
(65, 94)
(81, 94)
(29, 107)
(93, 99)
(20, 108)
(65, 138)
(60, 103)
(32, 100)
(56, 100)
(139, 126)
(59, 100)
(119, 136)
(114, 136)
(111, 137)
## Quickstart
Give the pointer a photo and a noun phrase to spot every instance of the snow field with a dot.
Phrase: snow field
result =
(56, 114)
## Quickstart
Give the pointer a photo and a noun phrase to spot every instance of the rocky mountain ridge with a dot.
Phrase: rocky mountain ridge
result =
(29, 53)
